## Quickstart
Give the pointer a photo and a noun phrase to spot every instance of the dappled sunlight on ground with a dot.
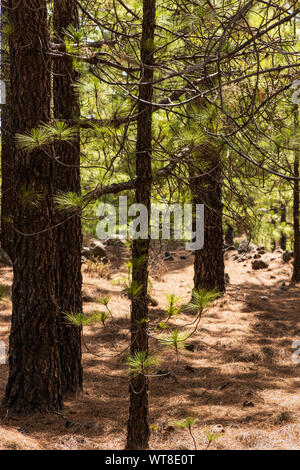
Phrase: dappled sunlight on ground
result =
(239, 376)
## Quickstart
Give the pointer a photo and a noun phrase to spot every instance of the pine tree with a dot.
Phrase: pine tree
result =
(138, 426)
(67, 180)
(34, 381)
(206, 189)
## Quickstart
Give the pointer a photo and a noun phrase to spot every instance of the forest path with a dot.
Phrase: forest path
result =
(240, 378)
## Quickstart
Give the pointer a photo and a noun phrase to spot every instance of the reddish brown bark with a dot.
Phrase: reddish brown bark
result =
(206, 188)
(67, 179)
(34, 363)
(138, 426)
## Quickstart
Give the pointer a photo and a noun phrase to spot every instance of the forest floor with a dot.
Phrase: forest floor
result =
(240, 379)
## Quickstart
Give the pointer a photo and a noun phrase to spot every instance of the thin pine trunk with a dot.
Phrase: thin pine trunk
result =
(206, 188)
(138, 426)
(283, 238)
(67, 179)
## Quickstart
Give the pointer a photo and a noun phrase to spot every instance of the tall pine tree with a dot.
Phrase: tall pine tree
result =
(67, 179)
(34, 381)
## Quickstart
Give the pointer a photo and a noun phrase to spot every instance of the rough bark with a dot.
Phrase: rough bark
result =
(34, 364)
(7, 185)
(138, 426)
(206, 188)
(67, 179)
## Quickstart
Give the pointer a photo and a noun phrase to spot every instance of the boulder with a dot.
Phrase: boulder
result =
(96, 250)
(246, 246)
(259, 264)
(229, 248)
(115, 240)
(287, 256)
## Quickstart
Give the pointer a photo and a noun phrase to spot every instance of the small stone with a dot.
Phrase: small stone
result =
(163, 372)
(217, 428)
(259, 264)
(190, 369)
(248, 404)
(189, 347)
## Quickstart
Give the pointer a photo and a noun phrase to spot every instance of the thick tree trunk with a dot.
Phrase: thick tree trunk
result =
(7, 186)
(206, 188)
(67, 179)
(34, 363)
(138, 426)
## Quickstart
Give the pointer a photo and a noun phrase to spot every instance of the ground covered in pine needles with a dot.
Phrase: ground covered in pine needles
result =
(239, 379)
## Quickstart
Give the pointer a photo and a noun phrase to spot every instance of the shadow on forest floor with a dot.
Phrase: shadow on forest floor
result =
(240, 374)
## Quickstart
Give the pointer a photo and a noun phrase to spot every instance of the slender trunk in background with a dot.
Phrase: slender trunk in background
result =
(296, 211)
(34, 363)
(229, 235)
(206, 188)
(138, 426)
(7, 176)
(273, 242)
(67, 179)
(283, 238)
